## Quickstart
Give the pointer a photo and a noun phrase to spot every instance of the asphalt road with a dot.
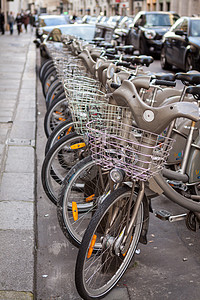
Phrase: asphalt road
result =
(168, 267)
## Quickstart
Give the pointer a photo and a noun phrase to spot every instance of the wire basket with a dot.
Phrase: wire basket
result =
(86, 103)
(68, 71)
(139, 153)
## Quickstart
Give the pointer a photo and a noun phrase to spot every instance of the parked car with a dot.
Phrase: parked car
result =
(87, 19)
(123, 29)
(45, 21)
(181, 45)
(147, 30)
(106, 27)
(83, 31)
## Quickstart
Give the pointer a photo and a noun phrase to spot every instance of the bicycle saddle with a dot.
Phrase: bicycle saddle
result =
(164, 76)
(191, 78)
(153, 119)
(142, 60)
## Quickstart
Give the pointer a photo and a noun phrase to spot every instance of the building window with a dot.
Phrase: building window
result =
(161, 6)
(168, 6)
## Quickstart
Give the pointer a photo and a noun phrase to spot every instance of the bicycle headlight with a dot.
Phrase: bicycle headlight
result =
(150, 34)
(116, 79)
(117, 175)
(110, 71)
(40, 31)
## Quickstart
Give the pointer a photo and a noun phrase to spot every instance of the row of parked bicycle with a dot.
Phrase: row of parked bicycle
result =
(114, 143)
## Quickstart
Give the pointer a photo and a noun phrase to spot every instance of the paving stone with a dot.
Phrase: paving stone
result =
(17, 186)
(16, 260)
(5, 119)
(11, 68)
(11, 83)
(7, 104)
(23, 132)
(28, 84)
(20, 159)
(8, 95)
(16, 215)
(118, 294)
(5, 112)
(26, 97)
(29, 103)
(4, 128)
(5, 75)
(25, 114)
(1, 152)
(12, 295)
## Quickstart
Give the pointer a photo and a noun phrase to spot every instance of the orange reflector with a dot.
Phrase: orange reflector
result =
(91, 246)
(53, 96)
(69, 129)
(61, 119)
(124, 254)
(75, 211)
(90, 198)
(48, 84)
(58, 137)
(77, 146)
(58, 112)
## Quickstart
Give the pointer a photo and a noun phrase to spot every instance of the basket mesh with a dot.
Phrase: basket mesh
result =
(139, 153)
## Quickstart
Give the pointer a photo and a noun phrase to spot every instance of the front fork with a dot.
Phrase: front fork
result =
(125, 235)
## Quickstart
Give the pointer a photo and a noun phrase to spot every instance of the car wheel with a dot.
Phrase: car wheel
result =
(143, 48)
(188, 62)
(163, 61)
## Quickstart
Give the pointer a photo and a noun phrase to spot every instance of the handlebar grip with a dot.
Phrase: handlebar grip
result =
(112, 56)
(122, 63)
(165, 82)
(115, 86)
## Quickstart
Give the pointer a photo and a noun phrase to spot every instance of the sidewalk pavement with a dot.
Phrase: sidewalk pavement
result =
(17, 165)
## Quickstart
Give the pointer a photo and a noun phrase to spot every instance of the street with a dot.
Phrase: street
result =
(168, 267)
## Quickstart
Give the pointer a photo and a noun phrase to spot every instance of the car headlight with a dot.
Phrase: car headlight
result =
(150, 34)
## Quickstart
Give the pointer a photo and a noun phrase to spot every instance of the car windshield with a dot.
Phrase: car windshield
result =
(52, 21)
(157, 20)
(83, 32)
(195, 28)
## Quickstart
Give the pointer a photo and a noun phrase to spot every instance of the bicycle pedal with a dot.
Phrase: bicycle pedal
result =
(162, 214)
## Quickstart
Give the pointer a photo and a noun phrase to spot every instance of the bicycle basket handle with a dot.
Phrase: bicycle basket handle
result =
(154, 119)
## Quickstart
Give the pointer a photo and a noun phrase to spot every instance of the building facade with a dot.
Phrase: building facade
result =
(104, 7)
(131, 7)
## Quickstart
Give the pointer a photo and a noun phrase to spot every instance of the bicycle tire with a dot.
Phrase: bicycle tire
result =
(49, 78)
(54, 91)
(81, 189)
(57, 163)
(105, 257)
(63, 129)
(57, 113)
(44, 67)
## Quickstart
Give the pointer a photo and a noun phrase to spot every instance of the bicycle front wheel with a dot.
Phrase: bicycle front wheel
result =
(59, 160)
(82, 189)
(97, 273)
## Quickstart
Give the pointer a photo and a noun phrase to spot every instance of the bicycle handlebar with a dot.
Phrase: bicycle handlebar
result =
(153, 119)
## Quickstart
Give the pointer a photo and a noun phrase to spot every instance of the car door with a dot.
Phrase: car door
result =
(135, 30)
(179, 42)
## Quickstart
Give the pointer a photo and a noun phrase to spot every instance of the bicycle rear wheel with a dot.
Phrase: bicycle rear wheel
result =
(97, 273)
